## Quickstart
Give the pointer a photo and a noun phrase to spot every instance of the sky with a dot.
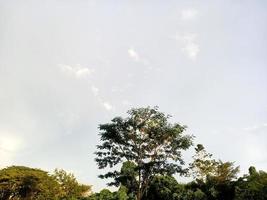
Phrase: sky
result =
(68, 66)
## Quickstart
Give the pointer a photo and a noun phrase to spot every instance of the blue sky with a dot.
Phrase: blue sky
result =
(67, 66)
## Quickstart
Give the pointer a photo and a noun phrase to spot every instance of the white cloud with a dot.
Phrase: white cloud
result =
(133, 54)
(95, 90)
(126, 103)
(259, 127)
(189, 45)
(254, 146)
(188, 14)
(66, 68)
(9, 145)
(191, 50)
(78, 71)
(108, 106)
(82, 72)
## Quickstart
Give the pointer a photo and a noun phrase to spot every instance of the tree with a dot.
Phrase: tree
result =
(127, 177)
(18, 182)
(121, 194)
(164, 188)
(252, 186)
(104, 194)
(148, 140)
(69, 186)
(225, 171)
(203, 165)
(214, 178)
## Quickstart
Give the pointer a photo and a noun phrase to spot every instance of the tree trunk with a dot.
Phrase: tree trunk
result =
(138, 197)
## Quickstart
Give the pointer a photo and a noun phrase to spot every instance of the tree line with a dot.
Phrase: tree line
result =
(142, 152)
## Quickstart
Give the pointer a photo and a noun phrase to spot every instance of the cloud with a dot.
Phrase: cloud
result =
(258, 128)
(133, 54)
(188, 14)
(108, 106)
(191, 50)
(189, 45)
(95, 90)
(254, 146)
(78, 71)
(9, 145)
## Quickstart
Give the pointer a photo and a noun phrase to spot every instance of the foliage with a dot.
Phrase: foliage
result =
(69, 186)
(225, 171)
(203, 165)
(127, 177)
(19, 182)
(164, 188)
(214, 178)
(252, 186)
(122, 194)
(148, 140)
(24, 183)
(104, 194)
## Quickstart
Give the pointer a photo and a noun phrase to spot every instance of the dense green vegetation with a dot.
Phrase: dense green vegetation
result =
(222, 185)
(148, 151)
(23, 183)
(18, 182)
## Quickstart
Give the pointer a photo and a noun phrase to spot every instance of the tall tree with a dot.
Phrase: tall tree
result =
(203, 164)
(147, 139)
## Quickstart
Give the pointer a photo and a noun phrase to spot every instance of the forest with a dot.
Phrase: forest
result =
(143, 155)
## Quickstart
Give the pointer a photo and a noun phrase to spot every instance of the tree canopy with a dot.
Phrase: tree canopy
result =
(24, 183)
(148, 140)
